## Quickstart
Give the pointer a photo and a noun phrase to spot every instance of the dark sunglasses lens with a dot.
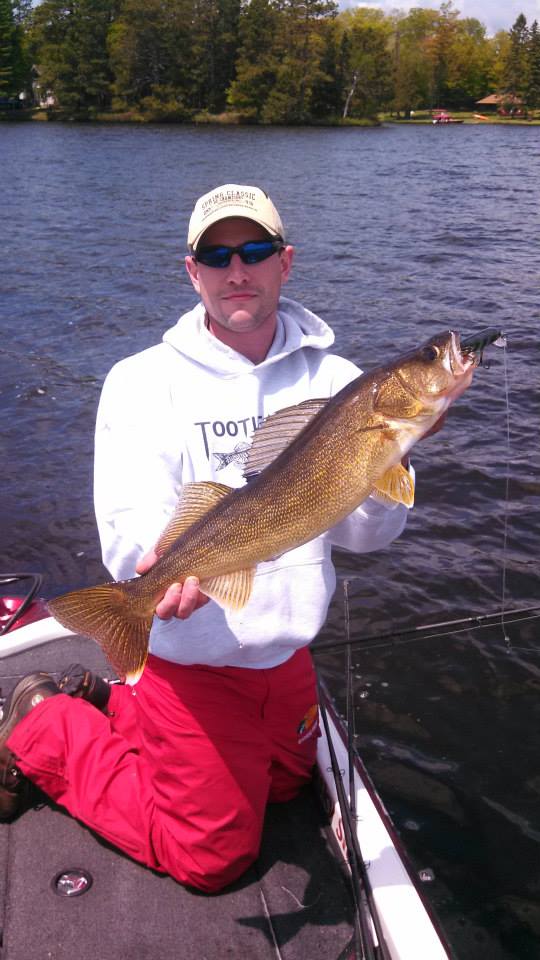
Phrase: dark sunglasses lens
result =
(215, 256)
(250, 252)
(257, 252)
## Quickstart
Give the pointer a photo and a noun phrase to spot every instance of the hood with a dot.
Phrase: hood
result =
(297, 328)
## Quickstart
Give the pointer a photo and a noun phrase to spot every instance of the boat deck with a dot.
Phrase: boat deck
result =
(294, 903)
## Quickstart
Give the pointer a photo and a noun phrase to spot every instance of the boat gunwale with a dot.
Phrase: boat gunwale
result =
(397, 871)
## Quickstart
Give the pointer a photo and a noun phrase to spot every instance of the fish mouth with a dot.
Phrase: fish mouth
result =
(461, 357)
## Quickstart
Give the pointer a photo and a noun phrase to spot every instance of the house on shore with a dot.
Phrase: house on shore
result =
(506, 104)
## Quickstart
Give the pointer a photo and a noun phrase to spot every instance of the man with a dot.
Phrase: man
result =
(177, 770)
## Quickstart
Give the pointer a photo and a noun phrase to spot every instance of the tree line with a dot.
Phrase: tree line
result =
(258, 61)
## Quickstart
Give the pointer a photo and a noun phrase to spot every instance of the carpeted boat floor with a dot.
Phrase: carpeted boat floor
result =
(294, 903)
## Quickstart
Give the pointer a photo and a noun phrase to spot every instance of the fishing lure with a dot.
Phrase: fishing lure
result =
(477, 343)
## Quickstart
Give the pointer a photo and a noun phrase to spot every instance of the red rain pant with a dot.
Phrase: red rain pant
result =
(179, 774)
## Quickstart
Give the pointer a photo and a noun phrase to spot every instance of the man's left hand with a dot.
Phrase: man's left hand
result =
(181, 599)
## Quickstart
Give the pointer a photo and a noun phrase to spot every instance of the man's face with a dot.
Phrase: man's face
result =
(240, 298)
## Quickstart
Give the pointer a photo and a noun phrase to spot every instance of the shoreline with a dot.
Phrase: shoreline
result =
(37, 115)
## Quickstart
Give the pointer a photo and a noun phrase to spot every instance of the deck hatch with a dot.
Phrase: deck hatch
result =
(72, 882)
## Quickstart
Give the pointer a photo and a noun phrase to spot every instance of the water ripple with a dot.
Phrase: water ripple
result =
(399, 232)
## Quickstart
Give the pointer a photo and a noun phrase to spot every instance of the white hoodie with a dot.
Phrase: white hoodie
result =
(184, 411)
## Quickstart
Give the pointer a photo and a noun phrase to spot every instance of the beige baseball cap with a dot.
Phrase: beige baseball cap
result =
(233, 200)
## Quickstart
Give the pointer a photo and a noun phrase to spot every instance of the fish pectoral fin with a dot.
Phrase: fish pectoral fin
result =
(107, 614)
(395, 486)
(231, 590)
(195, 501)
(277, 431)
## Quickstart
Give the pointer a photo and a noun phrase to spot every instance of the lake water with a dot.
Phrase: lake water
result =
(400, 232)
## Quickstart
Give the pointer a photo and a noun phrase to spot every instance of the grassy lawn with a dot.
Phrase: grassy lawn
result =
(425, 116)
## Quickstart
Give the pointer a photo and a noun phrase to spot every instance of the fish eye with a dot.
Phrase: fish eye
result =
(431, 352)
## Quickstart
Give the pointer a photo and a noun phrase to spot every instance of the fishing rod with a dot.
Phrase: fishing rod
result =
(367, 916)
(364, 948)
(479, 621)
(351, 754)
(349, 714)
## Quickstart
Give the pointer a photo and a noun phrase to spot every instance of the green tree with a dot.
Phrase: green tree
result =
(499, 46)
(171, 58)
(300, 49)
(327, 91)
(438, 48)
(69, 43)
(369, 77)
(469, 64)
(366, 69)
(516, 73)
(10, 51)
(413, 74)
(215, 46)
(533, 86)
(439, 59)
(22, 60)
(151, 58)
(257, 64)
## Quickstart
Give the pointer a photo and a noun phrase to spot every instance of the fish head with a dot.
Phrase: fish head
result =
(437, 372)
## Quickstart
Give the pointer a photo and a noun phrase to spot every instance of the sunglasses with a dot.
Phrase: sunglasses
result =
(254, 251)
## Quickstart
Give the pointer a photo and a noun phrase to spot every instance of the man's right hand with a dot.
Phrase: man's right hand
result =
(180, 599)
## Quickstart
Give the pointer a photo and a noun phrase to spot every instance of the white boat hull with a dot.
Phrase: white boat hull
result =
(408, 929)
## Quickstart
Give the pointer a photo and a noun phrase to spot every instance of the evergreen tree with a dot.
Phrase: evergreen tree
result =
(257, 64)
(7, 49)
(516, 75)
(439, 49)
(327, 92)
(69, 40)
(22, 60)
(533, 87)
(90, 90)
(151, 58)
(215, 49)
(300, 49)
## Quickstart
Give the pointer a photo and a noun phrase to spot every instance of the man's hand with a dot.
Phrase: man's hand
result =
(180, 600)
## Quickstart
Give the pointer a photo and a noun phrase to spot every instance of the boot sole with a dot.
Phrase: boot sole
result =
(20, 690)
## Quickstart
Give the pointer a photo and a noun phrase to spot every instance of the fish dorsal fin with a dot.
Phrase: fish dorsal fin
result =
(195, 501)
(277, 431)
(230, 589)
(395, 486)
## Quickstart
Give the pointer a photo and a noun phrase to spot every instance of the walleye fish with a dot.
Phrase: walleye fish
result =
(310, 466)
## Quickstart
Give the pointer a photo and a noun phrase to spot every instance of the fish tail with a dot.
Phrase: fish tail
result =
(109, 614)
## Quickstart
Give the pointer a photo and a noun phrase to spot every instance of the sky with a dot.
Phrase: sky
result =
(494, 14)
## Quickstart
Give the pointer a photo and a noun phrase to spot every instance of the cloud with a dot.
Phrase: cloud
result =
(494, 16)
